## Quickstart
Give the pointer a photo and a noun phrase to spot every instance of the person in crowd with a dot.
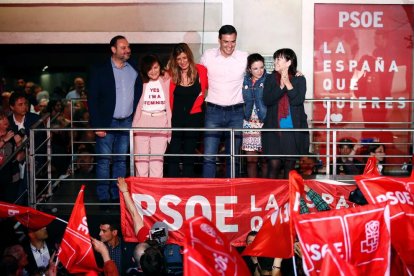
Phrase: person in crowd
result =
(224, 108)
(79, 86)
(307, 166)
(5, 107)
(152, 261)
(378, 150)
(18, 252)
(187, 91)
(119, 251)
(42, 107)
(9, 172)
(20, 84)
(140, 230)
(254, 112)
(153, 111)
(38, 250)
(9, 265)
(347, 164)
(21, 121)
(251, 261)
(110, 268)
(284, 95)
(115, 88)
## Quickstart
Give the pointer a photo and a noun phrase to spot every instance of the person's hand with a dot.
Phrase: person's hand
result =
(306, 188)
(298, 74)
(8, 136)
(122, 185)
(101, 248)
(18, 139)
(52, 271)
(100, 133)
(297, 249)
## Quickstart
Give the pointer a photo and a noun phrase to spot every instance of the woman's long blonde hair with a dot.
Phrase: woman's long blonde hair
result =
(174, 68)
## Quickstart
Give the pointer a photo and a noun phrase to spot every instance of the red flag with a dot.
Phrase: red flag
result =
(332, 264)
(76, 252)
(359, 236)
(208, 252)
(371, 167)
(274, 238)
(28, 217)
(396, 192)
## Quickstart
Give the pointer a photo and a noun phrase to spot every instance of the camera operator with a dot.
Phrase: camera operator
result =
(159, 258)
(9, 173)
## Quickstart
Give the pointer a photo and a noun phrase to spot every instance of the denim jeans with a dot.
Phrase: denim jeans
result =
(221, 117)
(115, 142)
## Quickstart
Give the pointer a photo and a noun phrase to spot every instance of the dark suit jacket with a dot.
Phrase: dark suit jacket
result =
(40, 136)
(102, 94)
(32, 266)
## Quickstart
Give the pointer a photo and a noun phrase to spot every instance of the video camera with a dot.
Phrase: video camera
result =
(159, 233)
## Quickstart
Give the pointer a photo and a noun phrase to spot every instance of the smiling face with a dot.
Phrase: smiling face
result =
(281, 64)
(154, 72)
(257, 70)
(227, 44)
(121, 51)
(182, 61)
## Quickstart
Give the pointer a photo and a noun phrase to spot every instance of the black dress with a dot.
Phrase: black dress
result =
(184, 142)
(285, 143)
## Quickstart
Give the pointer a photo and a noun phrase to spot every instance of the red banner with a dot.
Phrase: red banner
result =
(364, 52)
(396, 192)
(235, 206)
(359, 236)
(76, 252)
(208, 252)
(28, 217)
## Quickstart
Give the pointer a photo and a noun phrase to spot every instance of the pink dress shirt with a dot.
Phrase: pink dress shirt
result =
(225, 76)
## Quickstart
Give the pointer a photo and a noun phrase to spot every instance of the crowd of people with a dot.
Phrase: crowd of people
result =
(227, 89)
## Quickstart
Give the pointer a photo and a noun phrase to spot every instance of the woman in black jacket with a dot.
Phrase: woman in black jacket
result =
(284, 95)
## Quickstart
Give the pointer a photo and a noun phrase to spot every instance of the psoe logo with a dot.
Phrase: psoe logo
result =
(370, 244)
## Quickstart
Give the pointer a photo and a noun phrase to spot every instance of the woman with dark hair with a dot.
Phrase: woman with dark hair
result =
(187, 90)
(254, 112)
(378, 150)
(284, 95)
(153, 111)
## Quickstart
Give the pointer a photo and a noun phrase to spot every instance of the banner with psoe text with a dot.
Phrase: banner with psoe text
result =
(364, 52)
(235, 206)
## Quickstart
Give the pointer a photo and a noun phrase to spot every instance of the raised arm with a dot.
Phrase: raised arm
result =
(133, 211)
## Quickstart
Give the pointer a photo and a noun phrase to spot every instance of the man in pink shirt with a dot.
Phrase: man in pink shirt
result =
(226, 67)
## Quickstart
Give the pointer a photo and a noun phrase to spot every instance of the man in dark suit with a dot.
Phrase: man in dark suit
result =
(21, 121)
(115, 88)
(38, 250)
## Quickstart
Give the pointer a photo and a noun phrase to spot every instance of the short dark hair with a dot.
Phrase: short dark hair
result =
(288, 54)
(146, 64)
(112, 225)
(152, 262)
(345, 142)
(115, 39)
(15, 96)
(251, 233)
(226, 30)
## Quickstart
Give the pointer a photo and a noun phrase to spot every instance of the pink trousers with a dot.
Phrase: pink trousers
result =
(152, 144)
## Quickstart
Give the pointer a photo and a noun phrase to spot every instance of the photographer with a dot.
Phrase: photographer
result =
(159, 258)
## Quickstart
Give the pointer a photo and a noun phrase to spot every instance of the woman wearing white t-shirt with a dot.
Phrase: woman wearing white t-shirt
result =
(153, 111)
